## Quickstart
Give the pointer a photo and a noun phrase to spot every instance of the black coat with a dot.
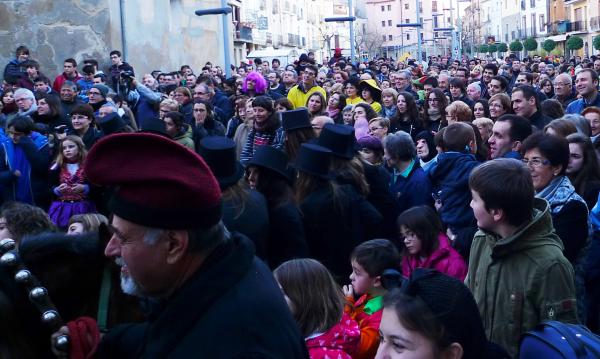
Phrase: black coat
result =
(333, 229)
(382, 199)
(230, 308)
(250, 219)
(286, 234)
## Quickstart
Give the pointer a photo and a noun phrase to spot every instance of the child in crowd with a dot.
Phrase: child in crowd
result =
(85, 223)
(426, 244)
(369, 260)
(317, 303)
(70, 188)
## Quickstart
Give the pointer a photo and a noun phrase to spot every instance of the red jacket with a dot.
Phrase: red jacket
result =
(368, 323)
(62, 78)
(339, 342)
(444, 259)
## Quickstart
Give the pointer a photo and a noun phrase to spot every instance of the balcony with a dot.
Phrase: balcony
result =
(243, 33)
(559, 27)
(579, 26)
(595, 23)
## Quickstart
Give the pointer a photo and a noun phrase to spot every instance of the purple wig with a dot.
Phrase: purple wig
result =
(260, 84)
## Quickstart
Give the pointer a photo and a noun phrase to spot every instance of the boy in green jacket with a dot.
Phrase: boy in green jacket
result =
(517, 272)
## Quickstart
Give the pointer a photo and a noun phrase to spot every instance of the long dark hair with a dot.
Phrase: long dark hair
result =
(273, 121)
(350, 171)
(590, 171)
(295, 138)
(425, 223)
(276, 189)
(442, 104)
(412, 111)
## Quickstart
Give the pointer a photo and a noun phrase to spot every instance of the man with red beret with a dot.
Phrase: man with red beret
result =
(211, 297)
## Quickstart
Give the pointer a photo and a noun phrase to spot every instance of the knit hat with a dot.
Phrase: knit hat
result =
(102, 88)
(158, 182)
(452, 303)
(371, 142)
(295, 119)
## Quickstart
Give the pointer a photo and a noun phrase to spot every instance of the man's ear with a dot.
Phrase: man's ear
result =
(516, 146)
(177, 243)
(377, 282)
(497, 214)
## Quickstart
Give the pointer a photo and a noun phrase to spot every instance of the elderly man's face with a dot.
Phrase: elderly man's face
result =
(146, 269)
(23, 101)
(67, 93)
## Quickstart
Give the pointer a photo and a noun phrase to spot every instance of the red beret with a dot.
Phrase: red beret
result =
(158, 182)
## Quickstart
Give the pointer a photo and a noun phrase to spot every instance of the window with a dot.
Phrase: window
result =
(407, 36)
(383, 37)
(542, 22)
(434, 6)
(383, 24)
(390, 37)
(532, 3)
(382, 8)
(533, 26)
(389, 7)
(406, 21)
(389, 22)
(435, 22)
(406, 6)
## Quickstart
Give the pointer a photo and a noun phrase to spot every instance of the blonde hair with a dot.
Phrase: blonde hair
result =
(171, 104)
(460, 111)
(390, 91)
(486, 123)
(82, 151)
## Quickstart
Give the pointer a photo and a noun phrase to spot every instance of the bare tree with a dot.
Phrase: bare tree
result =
(371, 41)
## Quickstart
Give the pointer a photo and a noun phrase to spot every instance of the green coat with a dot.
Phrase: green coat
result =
(521, 280)
(185, 137)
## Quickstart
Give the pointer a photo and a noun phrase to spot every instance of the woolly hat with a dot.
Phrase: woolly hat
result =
(102, 88)
(111, 123)
(371, 142)
(151, 186)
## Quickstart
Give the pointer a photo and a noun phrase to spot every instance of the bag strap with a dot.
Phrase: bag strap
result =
(573, 341)
(104, 298)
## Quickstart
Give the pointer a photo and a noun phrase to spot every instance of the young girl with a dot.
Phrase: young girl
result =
(317, 304)
(71, 188)
(426, 245)
(85, 223)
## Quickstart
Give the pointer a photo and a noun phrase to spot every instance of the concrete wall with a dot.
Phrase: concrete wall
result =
(159, 34)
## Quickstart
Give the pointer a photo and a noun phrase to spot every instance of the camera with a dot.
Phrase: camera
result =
(128, 74)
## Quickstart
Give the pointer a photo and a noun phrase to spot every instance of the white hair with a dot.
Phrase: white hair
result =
(24, 91)
(475, 85)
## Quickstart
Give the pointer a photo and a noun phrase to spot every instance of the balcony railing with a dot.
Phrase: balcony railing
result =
(579, 26)
(243, 33)
(560, 27)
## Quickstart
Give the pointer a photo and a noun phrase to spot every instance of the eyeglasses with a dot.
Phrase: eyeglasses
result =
(535, 162)
(561, 84)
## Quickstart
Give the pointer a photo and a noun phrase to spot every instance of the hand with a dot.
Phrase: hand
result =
(134, 82)
(61, 136)
(17, 173)
(438, 205)
(63, 188)
(348, 290)
(56, 351)
(78, 188)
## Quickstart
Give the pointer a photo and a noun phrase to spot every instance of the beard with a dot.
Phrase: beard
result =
(128, 284)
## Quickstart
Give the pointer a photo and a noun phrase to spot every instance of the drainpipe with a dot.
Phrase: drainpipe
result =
(123, 37)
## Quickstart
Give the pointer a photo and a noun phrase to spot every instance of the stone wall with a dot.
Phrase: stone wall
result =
(159, 34)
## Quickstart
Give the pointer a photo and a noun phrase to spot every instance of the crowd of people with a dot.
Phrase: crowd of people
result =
(336, 210)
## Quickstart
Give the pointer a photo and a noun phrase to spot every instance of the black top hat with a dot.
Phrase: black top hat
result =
(154, 125)
(219, 154)
(339, 139)
(272, 159)
(314, 160)
(295, 119)
(111, 123)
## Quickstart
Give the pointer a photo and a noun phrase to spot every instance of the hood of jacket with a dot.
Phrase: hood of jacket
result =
(186, 132)
(536, 233)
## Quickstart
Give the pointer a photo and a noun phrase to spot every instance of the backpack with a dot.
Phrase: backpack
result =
(554, 340)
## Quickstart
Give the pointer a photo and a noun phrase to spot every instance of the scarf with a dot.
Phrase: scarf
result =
(388, 112)
(558, 193)
(434, 114)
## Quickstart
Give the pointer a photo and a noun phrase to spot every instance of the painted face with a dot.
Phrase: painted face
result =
(70, 150)
(542, 171)
(422, 148)
(360, 279)
(576, 158)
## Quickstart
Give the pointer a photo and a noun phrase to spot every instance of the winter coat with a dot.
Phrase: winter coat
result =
(67, 107)
(450, 180)
(381, 198)
(521, 280)
(187, 110)
(333, 229)
(444, 259)
(538, 120)
(367, 312)
(578, 105)
(286, 234)
(250, 219)
(231, 307)
(274, 139)
(339, 342)
(89, 138)
(414, 190)
(62, 78)
(210, 128)
(15, 69)
(221, 101)
(184, 137)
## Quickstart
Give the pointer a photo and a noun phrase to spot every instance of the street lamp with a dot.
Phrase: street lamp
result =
(349, 19)
(223, 10)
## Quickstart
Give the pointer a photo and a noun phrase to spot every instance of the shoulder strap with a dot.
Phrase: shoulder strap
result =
(574, 342)
(103, 300)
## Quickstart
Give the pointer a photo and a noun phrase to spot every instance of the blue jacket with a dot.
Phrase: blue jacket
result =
(14, 69)
(579, 105)
(450, 179)
(413, 190)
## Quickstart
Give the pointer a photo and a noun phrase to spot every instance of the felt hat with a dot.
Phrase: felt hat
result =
(371, 84)
(158, 183)
(111, 123)
(339, 139)
(371, 142)
(102, 88)
(314, 159)
(219, 154)
(272, 159)
(295, 119)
